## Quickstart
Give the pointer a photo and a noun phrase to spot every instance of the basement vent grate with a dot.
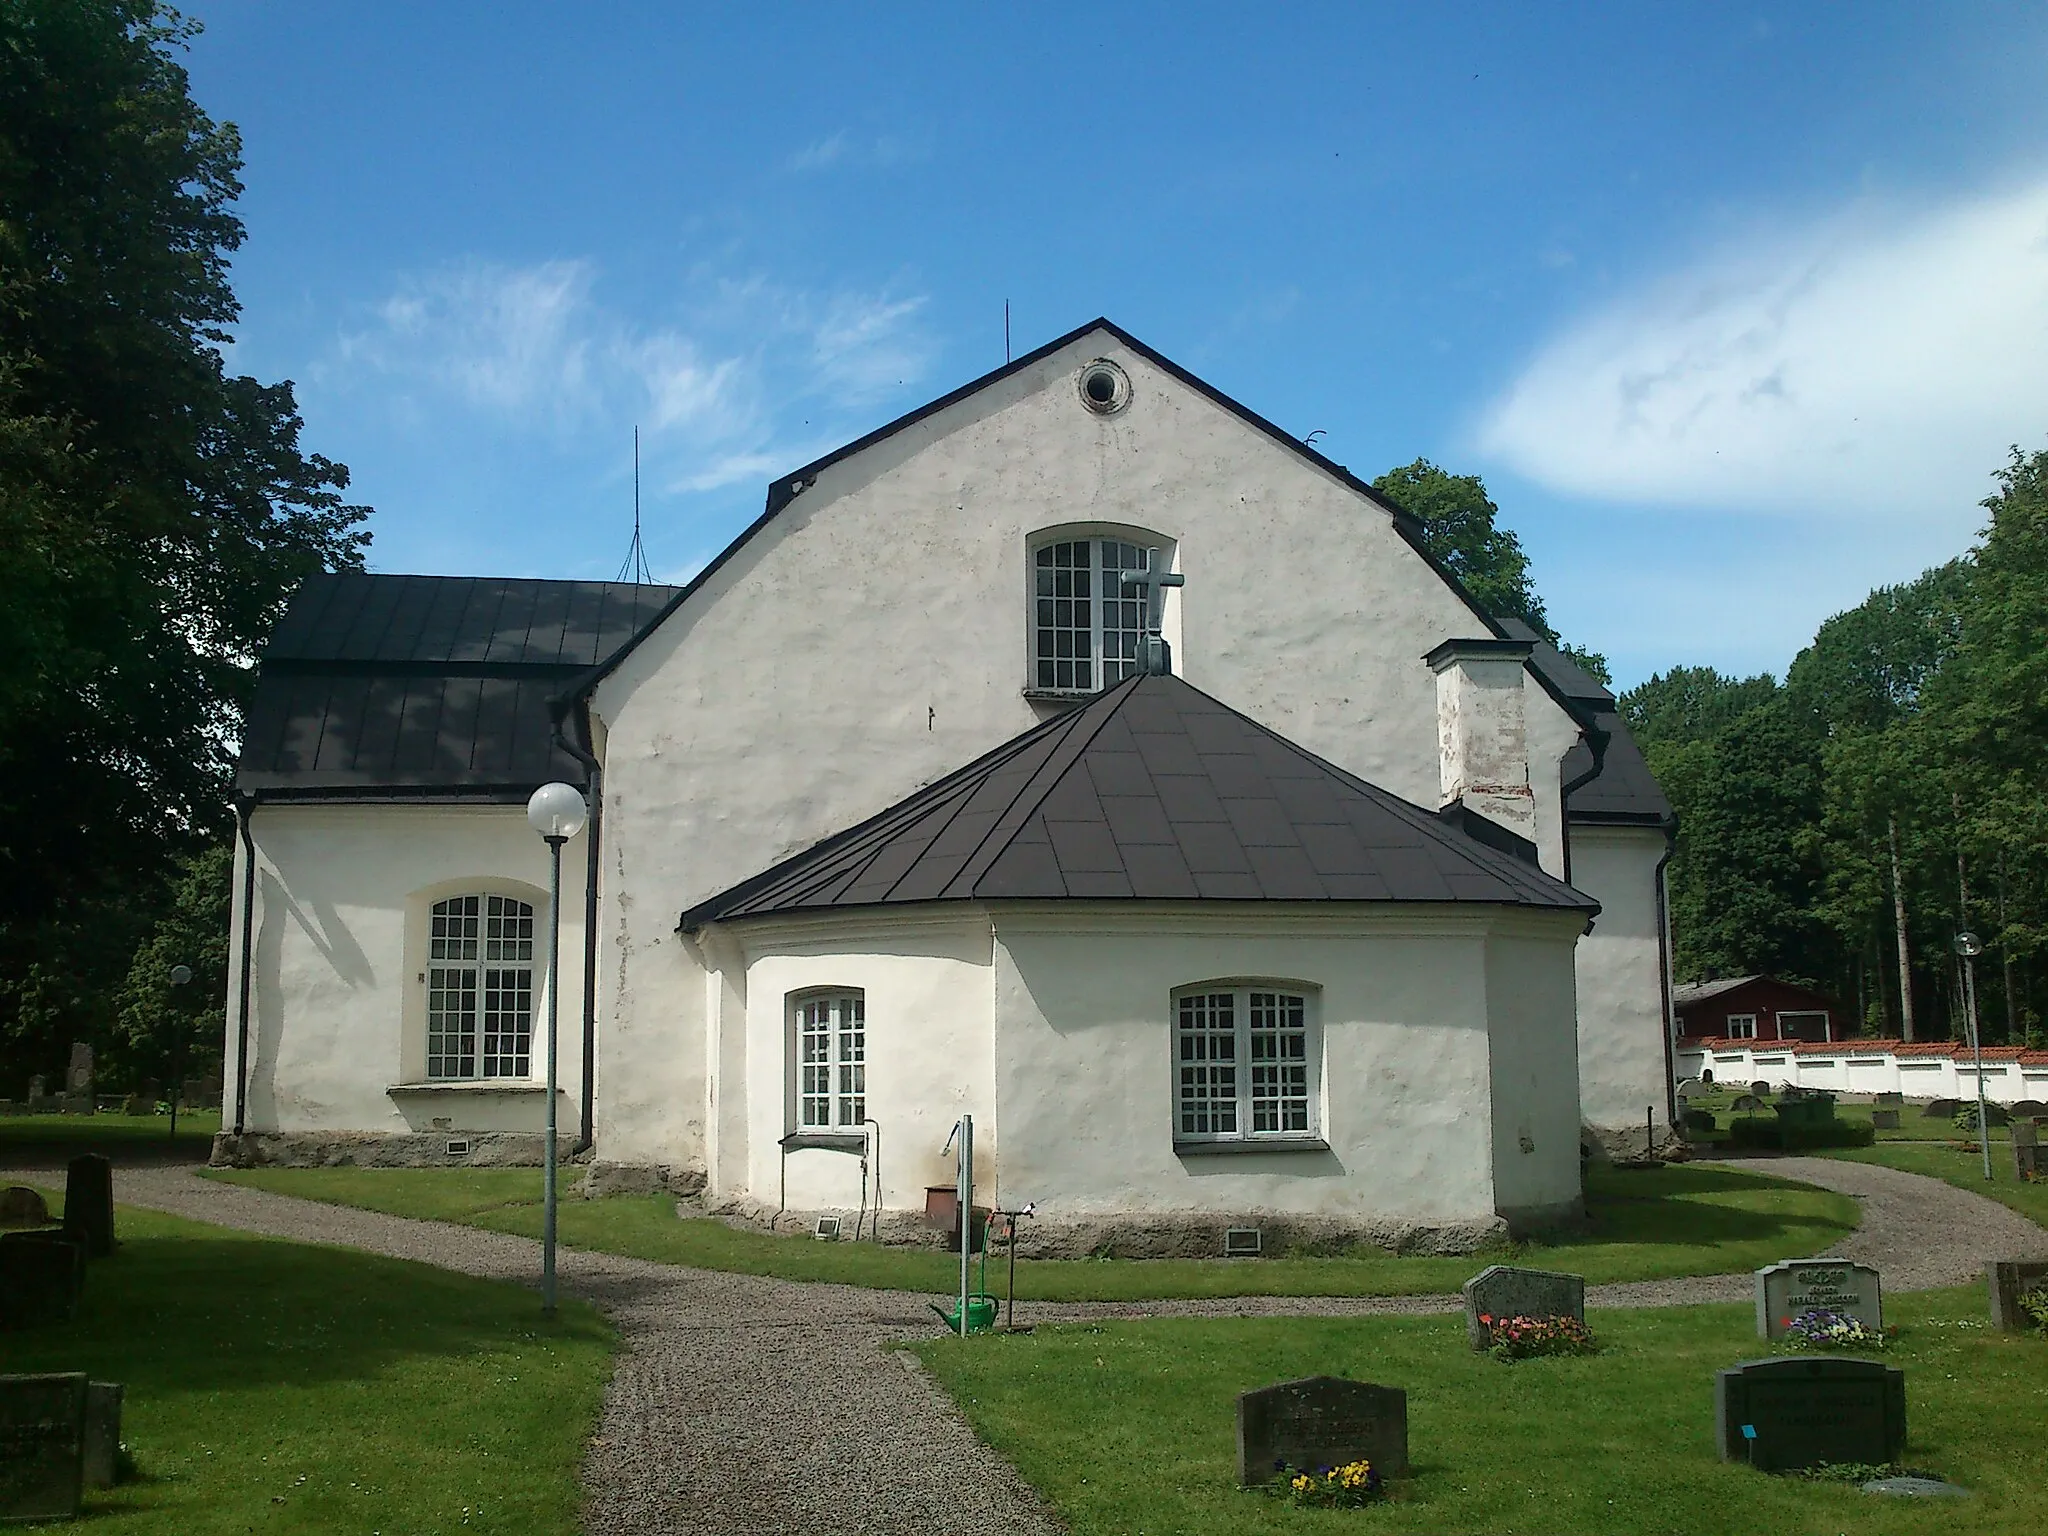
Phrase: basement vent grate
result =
(1242, 1243)
(827, 1229)
(458, 1148)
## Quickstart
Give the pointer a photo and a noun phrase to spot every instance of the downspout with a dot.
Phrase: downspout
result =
(594, 771)
(245, 806)
(1664, 971)
(1596, 744)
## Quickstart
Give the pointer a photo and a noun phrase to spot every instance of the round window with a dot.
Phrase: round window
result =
(1105, 388)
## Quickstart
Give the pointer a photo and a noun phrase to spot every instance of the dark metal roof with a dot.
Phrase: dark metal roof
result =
(433, 685)
(1154, 791)
(1623, 793)
(1564, 675)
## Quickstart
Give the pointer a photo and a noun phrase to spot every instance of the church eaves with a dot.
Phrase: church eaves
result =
(1152, 792)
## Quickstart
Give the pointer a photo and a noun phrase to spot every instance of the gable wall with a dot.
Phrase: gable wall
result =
(872, 638)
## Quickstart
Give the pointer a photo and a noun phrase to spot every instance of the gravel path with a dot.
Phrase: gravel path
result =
(747, 1404)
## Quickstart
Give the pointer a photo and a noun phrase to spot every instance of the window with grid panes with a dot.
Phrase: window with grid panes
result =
(1085, 624)
(831, 1061)
(1244, 1064)
(480, 988)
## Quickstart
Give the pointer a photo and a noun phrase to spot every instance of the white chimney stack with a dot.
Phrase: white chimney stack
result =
(1482, 736)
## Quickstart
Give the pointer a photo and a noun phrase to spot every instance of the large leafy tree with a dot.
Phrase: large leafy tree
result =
(155, 508)
(1461, 527)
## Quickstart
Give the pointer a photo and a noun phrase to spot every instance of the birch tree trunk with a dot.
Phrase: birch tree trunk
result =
(1899, 922)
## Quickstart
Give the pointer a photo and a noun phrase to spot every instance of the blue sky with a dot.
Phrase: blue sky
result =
(1735, 308)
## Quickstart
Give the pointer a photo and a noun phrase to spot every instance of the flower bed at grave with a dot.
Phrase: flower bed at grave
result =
(1351, 1486)
(1820, 1328)
(1526, 1338)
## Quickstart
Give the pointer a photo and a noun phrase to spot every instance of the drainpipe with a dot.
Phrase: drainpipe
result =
(245, 806)
(1596, 743)
(594, 771)
(1664, 969)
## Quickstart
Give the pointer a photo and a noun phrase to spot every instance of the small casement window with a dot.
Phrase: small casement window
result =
(1741, 1026)
(1085, 623)
(831, 1061)
(1804, 1025)
(480, 988)
(1245, 1063)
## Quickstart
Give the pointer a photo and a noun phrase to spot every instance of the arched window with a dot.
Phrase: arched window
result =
(1085, 625)
(830, 1060)
(1246, 1063)
(480, 988)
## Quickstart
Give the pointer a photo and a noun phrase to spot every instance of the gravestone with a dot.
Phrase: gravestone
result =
(1884, 1119)
(78, 1075)
(1941, 1109)
(136, 1104)
(41, 1276)
(1783, 1291)
(2026, 1149)
(2011, 1279)
(1502, 1291)
(42, 1447)
(1890, 1100)
(1747, 1102)
(103, 1433)
(1781, 1415)
(1760, 1088)
(1321, 1421)
(89, 1205)
(21, 1206)
(38, 1089)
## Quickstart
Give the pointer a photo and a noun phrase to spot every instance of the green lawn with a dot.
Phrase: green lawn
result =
(1646, 1225)
(278, 1387)
(23, 1135)
(1913, 1125)
(1129, 1428)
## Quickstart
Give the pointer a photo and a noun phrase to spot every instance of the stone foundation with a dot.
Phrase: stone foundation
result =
(363, 1149)
(1628, 1143)
(640, 1179)
(1189, 1235)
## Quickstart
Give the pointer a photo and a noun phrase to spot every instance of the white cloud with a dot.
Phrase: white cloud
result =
(879, 151)
(1875, 365)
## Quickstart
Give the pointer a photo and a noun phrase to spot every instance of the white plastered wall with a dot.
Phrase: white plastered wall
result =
(1531, 1007)
(1623, 1070)
(338, 1001)
(872, 638)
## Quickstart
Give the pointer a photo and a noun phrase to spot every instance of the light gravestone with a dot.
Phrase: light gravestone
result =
(1783, 1291)
(2010, 1280)
(1781, 1415)
(89, 1205)
(78, 1075)
(1502, 1291)
(42, 1447)
(1318, 1422)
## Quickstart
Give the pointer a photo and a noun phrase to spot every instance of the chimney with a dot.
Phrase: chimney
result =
(1482, 738)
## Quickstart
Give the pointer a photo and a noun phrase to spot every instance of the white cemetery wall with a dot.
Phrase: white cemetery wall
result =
(339, 996)
(1085, 1061)
(925, 981)
(1851, 1068)
(1622, 1064)
(872, 637)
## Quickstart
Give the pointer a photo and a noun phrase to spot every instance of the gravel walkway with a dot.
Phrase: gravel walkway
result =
(746, 1404)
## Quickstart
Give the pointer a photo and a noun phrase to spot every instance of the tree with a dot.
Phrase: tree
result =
(1460, 527)
(155, 510)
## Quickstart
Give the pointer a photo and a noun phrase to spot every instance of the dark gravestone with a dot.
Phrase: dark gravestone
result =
(1760, 1088)
(1781, 1415)
(1322, 1421)
(1884, 1119)
(1941, 1109)
(1890, 1100)
(41, 1275)
(2010, 1280)
(21, 1206)
(1502, 1291)
(102, 1435)
(42, 1446)
(89, 1205)
(1783, 1291)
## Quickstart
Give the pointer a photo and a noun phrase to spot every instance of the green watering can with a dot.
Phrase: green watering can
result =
(981, 1313)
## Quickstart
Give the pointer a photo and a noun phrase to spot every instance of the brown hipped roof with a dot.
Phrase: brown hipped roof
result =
(1152, 792)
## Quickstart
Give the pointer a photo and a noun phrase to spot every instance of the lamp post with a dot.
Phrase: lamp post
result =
(557, 812)
(181, 977)
(1969, 946)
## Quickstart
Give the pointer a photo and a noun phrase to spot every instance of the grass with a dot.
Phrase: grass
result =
(1129, 1427)
(23, 1134)
(279, 1387)
(1962, 1166)
(1645, 1225)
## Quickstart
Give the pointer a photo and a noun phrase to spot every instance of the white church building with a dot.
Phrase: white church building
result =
(1301, 894)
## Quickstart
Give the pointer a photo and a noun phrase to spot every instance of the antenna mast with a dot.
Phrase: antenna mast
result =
(635, 568)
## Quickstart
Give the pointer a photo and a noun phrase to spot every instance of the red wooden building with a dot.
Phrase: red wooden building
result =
(1755, 1008)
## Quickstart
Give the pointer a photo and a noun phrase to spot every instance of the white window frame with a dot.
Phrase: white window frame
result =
(1115, 619)
(1741, 1026)
(481, 992)
(828, 1060)
(1827, 1023)
(1247, 1063)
